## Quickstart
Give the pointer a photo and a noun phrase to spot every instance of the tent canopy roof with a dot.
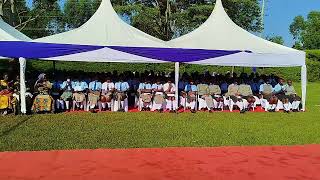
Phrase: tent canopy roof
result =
(220, 32)
(9, 33)
(105, 28)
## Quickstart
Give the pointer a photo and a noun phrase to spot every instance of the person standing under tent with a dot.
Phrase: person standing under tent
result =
(170, 89)
(80, 88)
(121, 97)
(158, 96)
(215, 92)
(66, 96)
(43, 102)
(292, 98)
(230, 98)
(145, 95)
(188, 99)
(107, 92)
(94, 94)
(205, 99)
(5, 95)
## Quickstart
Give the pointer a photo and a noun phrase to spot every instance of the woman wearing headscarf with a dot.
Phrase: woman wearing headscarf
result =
(43, 102)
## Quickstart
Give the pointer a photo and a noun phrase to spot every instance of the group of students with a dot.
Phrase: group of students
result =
(151, 92)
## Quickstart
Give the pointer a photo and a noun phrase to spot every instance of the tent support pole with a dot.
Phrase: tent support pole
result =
(176, 79)
(22, 62)
(304, 86)
(54, 68)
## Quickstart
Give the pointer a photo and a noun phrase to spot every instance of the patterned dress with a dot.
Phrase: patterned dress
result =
(43, 102)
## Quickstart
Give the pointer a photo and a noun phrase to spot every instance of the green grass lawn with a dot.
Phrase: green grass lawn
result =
(137, 130)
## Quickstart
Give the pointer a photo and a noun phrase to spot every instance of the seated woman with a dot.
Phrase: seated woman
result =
(169, 88)
(5, 95)
(215, 92)
(158, 97)
(43, 102)
(245, 97)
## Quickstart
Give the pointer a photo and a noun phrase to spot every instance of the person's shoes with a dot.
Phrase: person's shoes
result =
(193, 111)
(161, 110)
(148, 109)
(210, 111)
(242, 111)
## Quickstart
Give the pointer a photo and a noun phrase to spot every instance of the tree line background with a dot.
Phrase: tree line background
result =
(164, 19)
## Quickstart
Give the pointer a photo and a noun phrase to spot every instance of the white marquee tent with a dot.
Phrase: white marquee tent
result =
(220, 32)
(219, 41)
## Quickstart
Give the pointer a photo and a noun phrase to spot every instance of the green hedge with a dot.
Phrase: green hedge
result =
(34, 66)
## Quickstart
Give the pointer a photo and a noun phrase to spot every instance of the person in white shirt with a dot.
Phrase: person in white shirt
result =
(80, 87)
(121, 98)
(158, 97)
(145, 94)
(94, 94)
(169, 88)
(107, 92)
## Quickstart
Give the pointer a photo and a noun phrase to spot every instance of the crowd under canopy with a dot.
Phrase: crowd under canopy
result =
(106, 38)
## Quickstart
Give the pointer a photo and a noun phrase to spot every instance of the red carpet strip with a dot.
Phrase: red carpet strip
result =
(238, 163)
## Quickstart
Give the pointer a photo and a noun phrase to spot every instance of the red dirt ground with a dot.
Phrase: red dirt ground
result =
(239, 163)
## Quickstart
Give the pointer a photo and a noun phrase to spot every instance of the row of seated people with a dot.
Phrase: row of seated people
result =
(156, 93)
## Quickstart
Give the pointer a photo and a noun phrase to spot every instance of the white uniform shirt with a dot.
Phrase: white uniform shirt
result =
(166, 87)
(107, 86)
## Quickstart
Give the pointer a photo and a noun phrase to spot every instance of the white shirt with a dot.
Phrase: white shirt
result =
(107, 86)
(166, 87)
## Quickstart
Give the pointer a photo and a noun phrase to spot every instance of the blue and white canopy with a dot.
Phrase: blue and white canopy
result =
(105, 37)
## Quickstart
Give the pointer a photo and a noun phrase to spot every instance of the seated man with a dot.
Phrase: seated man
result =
(66, 96)
(278, 91)
(215, 92)
(94, 95)
(188, 99)
(158, 97)
(145, 95)
(231, 96)
(107, 94)
(55, 93)
(79, 94)
(268, 100)
(245, 97)
(292, 101)
(43, 102)
(5, 95)
(169, 88)
(205, 99)
(121, 98)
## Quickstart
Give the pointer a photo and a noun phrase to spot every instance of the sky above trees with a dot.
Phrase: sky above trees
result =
(280, 14)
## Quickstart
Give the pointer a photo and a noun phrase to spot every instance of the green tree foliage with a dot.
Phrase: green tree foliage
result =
(42, 19)
(276, 39)
(306, 32)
